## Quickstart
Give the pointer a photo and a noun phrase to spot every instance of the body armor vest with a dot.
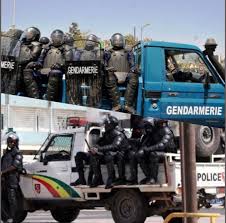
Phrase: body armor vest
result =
(53, 56)
(119, 60)
(26, 51)
(89, 55)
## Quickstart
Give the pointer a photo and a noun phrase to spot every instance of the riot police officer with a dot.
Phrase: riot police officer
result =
(28, 50)
(44, 41)
(69, 45)
(86, 89)
(52, 61)
(9, 76)
(157, 139)
(11, 166)
(120, 67)
(111, 147)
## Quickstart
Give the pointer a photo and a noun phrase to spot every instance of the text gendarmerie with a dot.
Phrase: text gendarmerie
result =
(7, 65)
(193, 110)
(82, 70)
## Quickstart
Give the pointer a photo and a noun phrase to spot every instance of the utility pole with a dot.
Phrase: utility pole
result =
(141, 30)
(14, 15)
(189, 181)
(134, 33)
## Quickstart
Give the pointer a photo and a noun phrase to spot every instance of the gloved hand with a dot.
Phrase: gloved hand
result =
(93, 150)
(56, 66)
(110, 69)
(34, 65)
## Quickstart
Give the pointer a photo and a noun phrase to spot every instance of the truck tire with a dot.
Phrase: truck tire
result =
(129, 206)
(65, 215)
(20, 216)
(207, 140)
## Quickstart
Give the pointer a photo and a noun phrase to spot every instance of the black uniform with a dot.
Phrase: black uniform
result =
(12, 159)
(80, 159)
(154, 143)
(111, 147)
(27, 51)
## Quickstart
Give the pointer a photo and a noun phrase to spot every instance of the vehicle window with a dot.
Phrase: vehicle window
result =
(59, 148)
(185, 66)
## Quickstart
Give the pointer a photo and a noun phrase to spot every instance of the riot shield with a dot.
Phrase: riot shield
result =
(84, 78)
(9, 65)
(84, 83)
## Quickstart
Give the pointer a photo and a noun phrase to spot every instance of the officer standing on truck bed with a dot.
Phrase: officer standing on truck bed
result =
(11, 166)
(111, 147)
(157, 139)
(120, 66)
(27, 51)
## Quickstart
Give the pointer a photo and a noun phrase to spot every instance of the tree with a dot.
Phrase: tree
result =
(130, 40)
(77, 35)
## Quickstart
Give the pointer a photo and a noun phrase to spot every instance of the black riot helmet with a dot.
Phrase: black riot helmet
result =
(12, 140)
(91, 42)
(69, 40)
(110, 122)
(118, 41)
(148, 124)
(44, 40)
(57, 37)
(159, 122)
(31, 34)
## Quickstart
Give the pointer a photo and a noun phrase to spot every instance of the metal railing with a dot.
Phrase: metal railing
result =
(212, 216)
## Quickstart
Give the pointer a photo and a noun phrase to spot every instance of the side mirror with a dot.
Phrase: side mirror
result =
(44, 159)
(207, 81)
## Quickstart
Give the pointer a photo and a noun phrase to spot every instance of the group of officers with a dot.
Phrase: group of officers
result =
(146, 149)
(150, 140)
(41, 63)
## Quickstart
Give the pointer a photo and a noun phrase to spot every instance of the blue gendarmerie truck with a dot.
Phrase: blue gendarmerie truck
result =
(180, 82)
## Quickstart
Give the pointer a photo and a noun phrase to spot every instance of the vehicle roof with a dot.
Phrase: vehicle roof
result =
(171, 45)
(68, 131)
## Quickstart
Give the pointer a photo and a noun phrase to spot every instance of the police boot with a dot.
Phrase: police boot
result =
(54, 86)
(30, 83)
(111, 175)
(154, 173)
(95, 165)
(81, 180)
(113, 91)
(131, 91)
(133, 172)
(121, 180)
(12, 203)
(146, 170)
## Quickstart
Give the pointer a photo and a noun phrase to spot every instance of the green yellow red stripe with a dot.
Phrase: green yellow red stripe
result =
(56, 187)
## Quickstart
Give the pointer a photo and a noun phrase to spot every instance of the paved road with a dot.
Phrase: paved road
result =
(102, 216)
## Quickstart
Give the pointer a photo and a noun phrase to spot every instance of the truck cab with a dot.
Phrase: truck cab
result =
(178, 82)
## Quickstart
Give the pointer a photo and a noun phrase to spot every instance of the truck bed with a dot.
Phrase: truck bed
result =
(166, 181)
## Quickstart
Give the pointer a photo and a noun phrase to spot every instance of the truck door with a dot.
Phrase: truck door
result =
(51, 178)
(186, 94)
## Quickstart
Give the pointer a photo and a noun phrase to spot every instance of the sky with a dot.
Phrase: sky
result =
(183, 21)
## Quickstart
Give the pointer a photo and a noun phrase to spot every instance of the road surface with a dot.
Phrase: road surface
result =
(102, 216)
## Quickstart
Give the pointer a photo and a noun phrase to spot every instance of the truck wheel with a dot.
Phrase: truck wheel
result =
(65, 215)
(207, 140)
(20, 216)
(129, 206)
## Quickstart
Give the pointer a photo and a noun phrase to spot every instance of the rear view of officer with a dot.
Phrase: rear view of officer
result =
(11, 166)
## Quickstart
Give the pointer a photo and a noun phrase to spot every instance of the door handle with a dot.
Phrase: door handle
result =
(41, 171)
(173, 94)
(64, 169)
(214, 96)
